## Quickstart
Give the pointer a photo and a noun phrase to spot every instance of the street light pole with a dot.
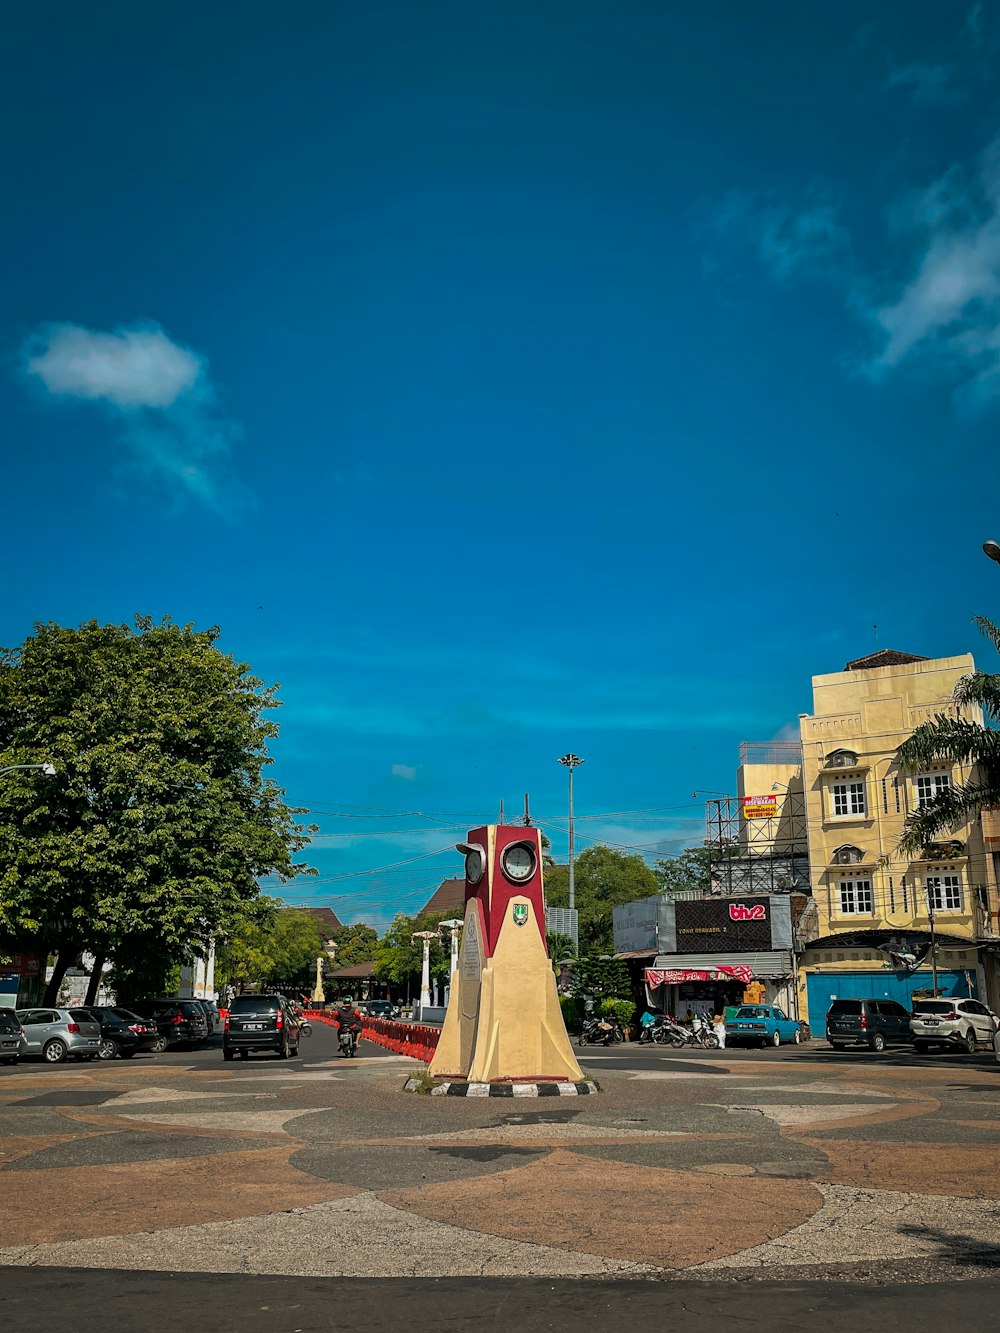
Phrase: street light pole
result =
(425, 972)
(48, 768)
(930, 922)
(571, 761)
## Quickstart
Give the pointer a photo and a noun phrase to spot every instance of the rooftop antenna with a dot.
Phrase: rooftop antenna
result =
(501, 819)
(527, 812)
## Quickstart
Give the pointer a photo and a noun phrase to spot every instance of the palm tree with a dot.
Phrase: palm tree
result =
(957, 740)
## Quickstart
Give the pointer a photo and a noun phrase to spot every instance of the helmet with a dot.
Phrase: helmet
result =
(347, 1000)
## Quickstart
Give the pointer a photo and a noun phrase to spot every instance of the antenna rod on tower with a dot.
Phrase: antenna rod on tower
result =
(527, 812)
(501, 819)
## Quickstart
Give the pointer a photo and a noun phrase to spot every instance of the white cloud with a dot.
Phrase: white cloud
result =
(949, 305)
(791, 240)
(927, 83)
(130, 368)
(158, 393)
(404, 771)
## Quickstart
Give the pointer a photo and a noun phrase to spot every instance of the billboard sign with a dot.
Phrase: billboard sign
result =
(760, 807)
(720, 925)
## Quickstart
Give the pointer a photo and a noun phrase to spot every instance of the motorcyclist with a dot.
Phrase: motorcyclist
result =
(348, 1019)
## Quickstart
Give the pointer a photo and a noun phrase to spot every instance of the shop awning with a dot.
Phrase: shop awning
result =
(667, 968)
(673, 976)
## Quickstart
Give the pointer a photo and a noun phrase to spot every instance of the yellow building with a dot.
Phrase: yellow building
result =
(878, 910)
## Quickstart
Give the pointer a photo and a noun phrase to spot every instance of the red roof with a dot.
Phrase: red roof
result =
(449, 896)
(326, 918)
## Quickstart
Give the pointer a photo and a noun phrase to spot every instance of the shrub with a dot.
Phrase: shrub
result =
(622, 1010)
(572, 1011)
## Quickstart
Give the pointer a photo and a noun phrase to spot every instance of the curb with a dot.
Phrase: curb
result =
(504, 1089)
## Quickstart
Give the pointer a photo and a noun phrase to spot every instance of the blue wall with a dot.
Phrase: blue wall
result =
(877, 986)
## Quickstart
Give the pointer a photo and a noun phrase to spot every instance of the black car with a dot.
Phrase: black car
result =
(873, 1023)
(260, 1023)
(10, 1037)
(123, 1032)
(177, 1021)
(379, 1008)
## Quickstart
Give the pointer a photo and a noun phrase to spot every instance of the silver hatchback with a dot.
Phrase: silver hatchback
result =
(56, 1033)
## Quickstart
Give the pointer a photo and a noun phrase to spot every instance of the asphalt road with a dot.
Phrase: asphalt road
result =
(321, 1045)
(102, 1300)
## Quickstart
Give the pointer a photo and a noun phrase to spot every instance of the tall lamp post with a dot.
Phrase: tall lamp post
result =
(930, 922)
(452, 927)
(425, 936)
(571, 761)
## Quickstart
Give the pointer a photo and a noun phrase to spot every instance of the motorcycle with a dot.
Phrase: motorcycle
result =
(600, 1032)
(347, 1039)
(704, 1034)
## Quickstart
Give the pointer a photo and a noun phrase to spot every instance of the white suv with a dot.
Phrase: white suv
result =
(965, 1023)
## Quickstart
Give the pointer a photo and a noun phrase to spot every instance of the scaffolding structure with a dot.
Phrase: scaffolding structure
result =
(766, 854)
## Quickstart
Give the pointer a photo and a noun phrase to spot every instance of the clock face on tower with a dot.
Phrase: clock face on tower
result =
(518, 862)
(475, 863)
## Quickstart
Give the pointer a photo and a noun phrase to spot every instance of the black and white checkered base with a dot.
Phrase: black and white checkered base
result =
(461, 1089)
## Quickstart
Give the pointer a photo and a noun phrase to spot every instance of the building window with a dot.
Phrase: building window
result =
(856, 897)
(841, 759)
(944, 892)
(930, 785)
(849, 798)
(848, 856)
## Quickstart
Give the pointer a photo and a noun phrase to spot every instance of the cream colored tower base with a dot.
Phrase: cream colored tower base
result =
(504, 1020)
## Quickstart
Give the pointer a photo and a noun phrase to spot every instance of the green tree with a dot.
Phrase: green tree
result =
(355, 944)
(296, 942)
(598, 977)
(689, 869)
(150, 840)
(275, 944)
(399, 958)
(957, 740)
(604, 878)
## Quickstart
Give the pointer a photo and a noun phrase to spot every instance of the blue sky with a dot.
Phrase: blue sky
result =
(504, 379)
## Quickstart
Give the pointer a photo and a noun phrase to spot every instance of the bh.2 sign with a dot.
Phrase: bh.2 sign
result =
(740, 912)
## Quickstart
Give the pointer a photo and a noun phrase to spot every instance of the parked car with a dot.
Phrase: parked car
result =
(260, 1023)
(212, 1015)
(122, 1032)
(869, 1022)
(177, 1021)
(56, 1033)
(965, 1023)
(379, 1008)
(10, 1037)
(762, 1024)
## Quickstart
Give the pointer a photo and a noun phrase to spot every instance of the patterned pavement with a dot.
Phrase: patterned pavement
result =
(712, 1167)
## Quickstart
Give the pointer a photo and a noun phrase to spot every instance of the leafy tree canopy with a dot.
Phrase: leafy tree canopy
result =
(398, 957)
(355, 944)
(689, 869)
(601, 978)
(152, 835)
(604, 878)
(277, 944)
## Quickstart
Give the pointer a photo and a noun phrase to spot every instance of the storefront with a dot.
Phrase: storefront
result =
(717, 952)
(880, 965)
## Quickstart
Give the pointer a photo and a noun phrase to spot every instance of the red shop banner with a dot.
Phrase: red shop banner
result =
(674, 976)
